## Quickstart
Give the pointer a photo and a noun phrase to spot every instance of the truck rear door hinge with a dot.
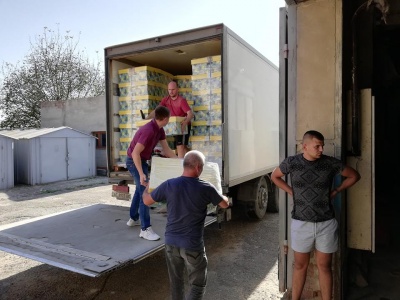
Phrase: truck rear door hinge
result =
(285, 51)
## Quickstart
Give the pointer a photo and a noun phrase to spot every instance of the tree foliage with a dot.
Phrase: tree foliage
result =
(53, 70)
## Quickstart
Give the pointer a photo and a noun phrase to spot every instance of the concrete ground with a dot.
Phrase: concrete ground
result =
(242, 256)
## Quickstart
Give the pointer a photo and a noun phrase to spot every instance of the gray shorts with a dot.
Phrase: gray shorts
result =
(322, 236)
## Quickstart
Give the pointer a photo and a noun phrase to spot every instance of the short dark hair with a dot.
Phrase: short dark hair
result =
(161, 112)
(313, 134)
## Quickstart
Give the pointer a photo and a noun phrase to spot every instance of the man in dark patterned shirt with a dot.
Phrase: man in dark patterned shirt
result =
(313, 223)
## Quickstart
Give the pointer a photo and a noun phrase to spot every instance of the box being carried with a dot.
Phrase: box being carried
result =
(163, 169)
(174, 126)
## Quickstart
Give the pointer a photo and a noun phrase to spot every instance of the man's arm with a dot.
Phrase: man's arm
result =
(276, 178)
(167, 150)
(137, 160)
(351, 177)
(150, 115)
(224, 203)
(147, 199)
(189, 117)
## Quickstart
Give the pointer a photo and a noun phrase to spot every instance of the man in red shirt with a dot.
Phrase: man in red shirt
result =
(178, 107)
(138, 153)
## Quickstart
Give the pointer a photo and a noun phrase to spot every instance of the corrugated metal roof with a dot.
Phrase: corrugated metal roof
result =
(19, 134)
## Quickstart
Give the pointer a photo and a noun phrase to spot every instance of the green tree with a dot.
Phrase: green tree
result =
(53, 70)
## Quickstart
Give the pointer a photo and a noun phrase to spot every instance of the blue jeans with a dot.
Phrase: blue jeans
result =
(196, 266)
(138, 208)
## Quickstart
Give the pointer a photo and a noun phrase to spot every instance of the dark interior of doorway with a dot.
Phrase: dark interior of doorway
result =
(381, 270)
(387, 127)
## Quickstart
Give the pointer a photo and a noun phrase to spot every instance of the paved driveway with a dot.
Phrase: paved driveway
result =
(242, 256)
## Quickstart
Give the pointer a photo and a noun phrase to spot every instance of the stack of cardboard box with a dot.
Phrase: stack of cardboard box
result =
(140, 88)
(207, 126)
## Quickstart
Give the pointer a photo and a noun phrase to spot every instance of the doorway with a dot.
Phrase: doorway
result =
(379, 68)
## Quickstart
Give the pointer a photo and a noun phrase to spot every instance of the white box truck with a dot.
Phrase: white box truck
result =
(233, 90)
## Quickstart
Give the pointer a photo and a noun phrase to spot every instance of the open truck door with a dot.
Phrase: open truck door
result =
(357, 215)
(283, 149)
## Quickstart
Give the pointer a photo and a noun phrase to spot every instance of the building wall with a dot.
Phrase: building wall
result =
(6, 163)
(86, 115)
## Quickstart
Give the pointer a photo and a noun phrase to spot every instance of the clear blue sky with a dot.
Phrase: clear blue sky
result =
(103, 23)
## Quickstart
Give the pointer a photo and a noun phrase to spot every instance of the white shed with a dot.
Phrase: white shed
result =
(6, 162)
(52, 154)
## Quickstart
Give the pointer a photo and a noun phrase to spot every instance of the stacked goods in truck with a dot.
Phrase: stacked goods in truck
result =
(207, 125)
(140, 89)
(184, 83)
(172, 128)
(170, 139)
(209, 64)
(206, 97)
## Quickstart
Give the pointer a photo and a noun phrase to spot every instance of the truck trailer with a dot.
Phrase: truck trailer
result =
(232, 90)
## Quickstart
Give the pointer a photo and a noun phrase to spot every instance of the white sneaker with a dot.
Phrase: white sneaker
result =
(132, 222)
(149, 234)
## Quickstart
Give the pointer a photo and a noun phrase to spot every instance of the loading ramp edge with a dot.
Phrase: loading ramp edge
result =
(74, 259)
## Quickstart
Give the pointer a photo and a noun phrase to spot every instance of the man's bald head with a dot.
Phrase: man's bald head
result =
(193, 159)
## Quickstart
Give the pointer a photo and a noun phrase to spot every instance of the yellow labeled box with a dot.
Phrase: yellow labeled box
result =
(174, 126)
(141, 123)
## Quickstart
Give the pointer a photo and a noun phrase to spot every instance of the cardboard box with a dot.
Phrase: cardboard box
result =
(210, 82)
(142, 89)
(183, 81)
(144, 73)
(207, 97)
(127, 117)
(209, 64)
(127, 132)
(174, 126)
(142, 122)
(163, 169)
(207, 113)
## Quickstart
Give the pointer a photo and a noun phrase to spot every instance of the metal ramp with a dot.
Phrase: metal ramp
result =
(92, 240)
